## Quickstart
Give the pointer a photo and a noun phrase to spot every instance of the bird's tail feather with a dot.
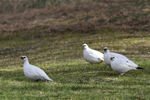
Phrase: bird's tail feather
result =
(139, 68)
(50, 80)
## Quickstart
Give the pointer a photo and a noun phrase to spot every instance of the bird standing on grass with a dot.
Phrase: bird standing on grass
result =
(92, 56)
(32, 72)
(123, 65)
(108, 55)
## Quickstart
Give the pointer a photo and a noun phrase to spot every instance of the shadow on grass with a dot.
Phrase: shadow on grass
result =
(71, 72)
(78, 73)
(75, 88)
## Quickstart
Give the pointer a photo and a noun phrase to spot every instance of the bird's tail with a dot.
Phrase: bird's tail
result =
(50, 79)
(139, 68)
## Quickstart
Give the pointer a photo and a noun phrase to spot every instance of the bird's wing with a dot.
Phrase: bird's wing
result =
(126, 63)
(120, 65)
(42, 75)
(38, 72)
(96, 54)
(131, 64)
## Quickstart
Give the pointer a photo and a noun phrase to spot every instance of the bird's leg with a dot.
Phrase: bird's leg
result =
(121, 73)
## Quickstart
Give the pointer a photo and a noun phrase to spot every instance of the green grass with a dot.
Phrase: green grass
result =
(60, 56)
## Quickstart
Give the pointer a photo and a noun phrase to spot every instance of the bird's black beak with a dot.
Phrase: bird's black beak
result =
(21, 57)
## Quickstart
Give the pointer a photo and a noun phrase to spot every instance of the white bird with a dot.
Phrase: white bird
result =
(108, 55)
(92, 56)
(123, 65)
(32, 72)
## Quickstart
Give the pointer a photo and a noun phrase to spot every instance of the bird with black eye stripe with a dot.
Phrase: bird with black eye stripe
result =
(123, 65)
(108, 55)
(32, 72)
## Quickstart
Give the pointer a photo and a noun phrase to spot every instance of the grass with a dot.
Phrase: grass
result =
(75, 81)
(60, 56)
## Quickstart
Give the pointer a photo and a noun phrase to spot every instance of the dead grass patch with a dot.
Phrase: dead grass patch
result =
(80, 16)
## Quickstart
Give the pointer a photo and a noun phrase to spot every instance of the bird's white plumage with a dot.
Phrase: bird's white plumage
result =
(33, 72)
(92, 56)
(108, 55)
(122, 65)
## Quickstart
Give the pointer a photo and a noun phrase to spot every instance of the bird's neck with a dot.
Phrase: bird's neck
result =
(26, 62)
(86, 48)
(107, 51)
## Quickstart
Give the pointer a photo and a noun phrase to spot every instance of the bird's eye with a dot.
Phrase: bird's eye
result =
(24, 57)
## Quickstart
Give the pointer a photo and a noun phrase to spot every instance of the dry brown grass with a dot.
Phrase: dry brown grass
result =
(83, 15)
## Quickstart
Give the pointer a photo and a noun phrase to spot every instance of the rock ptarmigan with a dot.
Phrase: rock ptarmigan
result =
(32, 72)
(108, 55)
(92, 56)
(123, 65)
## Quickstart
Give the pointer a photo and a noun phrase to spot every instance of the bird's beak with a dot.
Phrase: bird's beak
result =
(21, 57)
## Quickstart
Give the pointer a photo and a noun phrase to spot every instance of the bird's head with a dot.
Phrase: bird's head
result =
(85, 45)
(106, 49)
(24, 58)
(112, 58)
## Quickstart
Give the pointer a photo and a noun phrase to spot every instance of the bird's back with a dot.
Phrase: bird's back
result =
(91, 55)
(108, 55)
(112, 54)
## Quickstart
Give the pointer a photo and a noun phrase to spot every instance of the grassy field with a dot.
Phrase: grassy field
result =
(51, 36)
(60, 56)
